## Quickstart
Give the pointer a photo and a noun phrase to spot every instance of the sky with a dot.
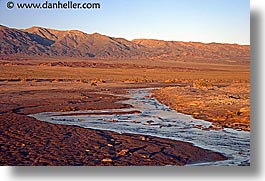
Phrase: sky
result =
(222, 21)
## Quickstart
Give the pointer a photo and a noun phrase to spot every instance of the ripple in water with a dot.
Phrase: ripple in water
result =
(156, 119)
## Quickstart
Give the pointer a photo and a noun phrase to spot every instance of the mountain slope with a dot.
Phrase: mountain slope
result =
(38, 41)
(210, 50)
(77, 43)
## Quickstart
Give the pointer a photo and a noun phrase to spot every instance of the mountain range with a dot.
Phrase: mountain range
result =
(46, 42)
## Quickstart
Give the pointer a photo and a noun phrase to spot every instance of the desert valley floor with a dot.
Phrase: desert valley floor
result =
(218, 93)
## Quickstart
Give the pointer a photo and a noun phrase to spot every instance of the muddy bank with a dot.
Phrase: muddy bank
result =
(226, 105)
(27, 141)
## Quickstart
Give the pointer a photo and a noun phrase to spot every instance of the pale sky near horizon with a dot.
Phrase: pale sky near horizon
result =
(223, 21)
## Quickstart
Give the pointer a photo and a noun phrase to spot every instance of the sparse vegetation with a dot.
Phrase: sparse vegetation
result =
(23, 80)
(93, 83)
(199, 77)
(165, 72)
(202, 83)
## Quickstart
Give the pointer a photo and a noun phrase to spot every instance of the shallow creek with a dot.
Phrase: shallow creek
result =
(158, 120)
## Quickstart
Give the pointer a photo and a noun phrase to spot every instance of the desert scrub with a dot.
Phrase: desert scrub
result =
(100, 81)
(56, 80)
(83, 81)
(93, 83)
(35, 80)
(23, 80)
(96, 82)
(202, 84)
(170, 81)
(70, 108)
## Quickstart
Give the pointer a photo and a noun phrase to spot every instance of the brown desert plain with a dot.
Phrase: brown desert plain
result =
(45, 70)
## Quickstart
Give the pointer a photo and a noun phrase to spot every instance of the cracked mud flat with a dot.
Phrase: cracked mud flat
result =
(149, 117)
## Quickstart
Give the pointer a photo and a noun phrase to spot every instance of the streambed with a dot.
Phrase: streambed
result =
(149, 117)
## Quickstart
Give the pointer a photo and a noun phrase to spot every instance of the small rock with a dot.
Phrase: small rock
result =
(114, 121)
(198, 126)
(106, 160)
(142, 138)
(145, 156)
(150, 121)
(234, 97)
(135, 121)
(169, 125)
(123, 152)
(109, 145)
(244, 109)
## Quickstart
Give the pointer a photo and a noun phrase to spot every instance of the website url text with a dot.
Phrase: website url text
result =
(53, 5)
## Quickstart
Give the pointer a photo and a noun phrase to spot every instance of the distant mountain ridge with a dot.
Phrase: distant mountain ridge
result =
(46, 42)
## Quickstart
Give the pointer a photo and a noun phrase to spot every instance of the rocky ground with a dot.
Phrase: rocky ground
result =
(224, 104)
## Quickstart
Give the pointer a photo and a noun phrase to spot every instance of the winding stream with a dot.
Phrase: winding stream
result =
(158, 120)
